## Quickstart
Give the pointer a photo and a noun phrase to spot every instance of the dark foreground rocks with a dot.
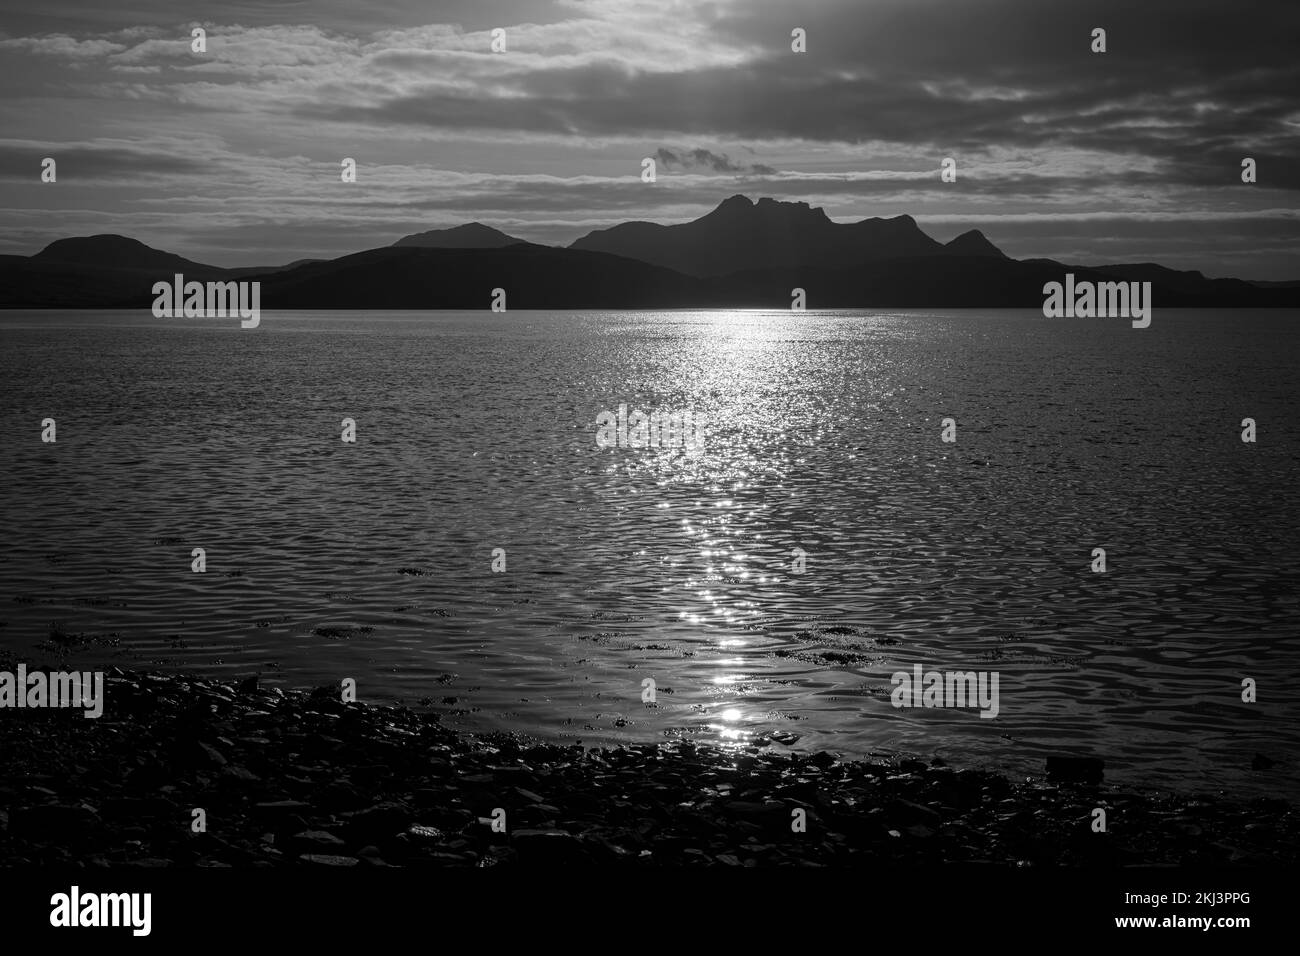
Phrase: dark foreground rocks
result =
(187, 772)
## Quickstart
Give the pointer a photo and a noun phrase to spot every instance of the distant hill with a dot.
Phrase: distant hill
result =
(260, 270)
(741, 234)
(91, 272)
(954, 282)
(115, 252)
(472, 235)
(534, 277)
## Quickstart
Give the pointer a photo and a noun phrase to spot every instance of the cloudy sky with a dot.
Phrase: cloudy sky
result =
(232, 156)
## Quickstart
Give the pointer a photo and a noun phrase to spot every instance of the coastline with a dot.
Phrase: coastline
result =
(301, 778)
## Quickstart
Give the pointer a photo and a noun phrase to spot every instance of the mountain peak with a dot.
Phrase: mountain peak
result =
(792, 208)
(973, 243)
(767, 209)
(109, 249)
(76, 245)
(471, 235)
(732, 206)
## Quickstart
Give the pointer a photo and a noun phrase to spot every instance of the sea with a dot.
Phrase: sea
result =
(478, 551)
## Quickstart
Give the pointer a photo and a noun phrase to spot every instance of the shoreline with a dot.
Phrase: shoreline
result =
(188, 771)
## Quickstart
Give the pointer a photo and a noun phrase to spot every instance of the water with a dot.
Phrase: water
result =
(477, 431)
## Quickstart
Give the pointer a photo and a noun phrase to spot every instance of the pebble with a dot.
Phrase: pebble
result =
(304, 779)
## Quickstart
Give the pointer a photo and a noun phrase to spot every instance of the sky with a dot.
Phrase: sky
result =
(232, 156)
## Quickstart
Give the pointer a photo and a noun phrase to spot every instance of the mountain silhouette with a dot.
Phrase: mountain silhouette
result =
(973, 243)
(741, 234)
(533, 277)
(115, 252)
(472, 235)
(743, 254)
(93, 272)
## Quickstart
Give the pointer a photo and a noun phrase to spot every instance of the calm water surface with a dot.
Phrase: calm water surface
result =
(477, 431)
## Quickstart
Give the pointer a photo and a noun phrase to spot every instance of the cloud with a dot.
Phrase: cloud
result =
(62, 46)
(702, 158)
(245, 139)
(99, 162)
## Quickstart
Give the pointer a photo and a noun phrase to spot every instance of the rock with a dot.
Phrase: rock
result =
(52, 822)
(754, 811)
(139, 808)
(312, 840)
(1262, 763)
(341, 795)
(248, 685)
(196, 754)
(371, 856)
(906, 812)
(1075, 769)
(242, 774)
(382, 821)
(427, 797)
(328, 859)
(963, 790)
(535, 815)
(496, 855)
(279, 809)
(420, 833)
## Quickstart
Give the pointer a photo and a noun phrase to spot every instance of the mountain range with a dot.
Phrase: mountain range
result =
(743, 254)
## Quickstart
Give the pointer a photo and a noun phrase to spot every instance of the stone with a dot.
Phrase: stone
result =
(1075, 769)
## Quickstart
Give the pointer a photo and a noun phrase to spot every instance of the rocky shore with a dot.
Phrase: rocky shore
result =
(181, 771)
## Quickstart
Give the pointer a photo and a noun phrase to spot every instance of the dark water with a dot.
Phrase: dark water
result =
(477, 431)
